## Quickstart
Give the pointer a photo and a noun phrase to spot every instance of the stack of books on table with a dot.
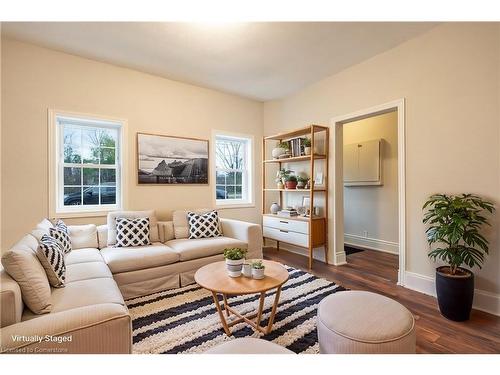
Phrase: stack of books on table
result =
(288, 213)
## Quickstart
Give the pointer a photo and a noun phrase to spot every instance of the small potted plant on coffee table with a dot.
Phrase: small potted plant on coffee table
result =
(453, 234)
(258, 270)
(291, 182)
(234, 260)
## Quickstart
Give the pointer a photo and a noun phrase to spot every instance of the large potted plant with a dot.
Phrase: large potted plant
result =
(235, 257)
(453, 233)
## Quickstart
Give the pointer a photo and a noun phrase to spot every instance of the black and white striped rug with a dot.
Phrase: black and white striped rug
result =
(185, 320)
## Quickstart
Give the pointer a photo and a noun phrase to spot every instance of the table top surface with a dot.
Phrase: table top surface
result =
(214, 277)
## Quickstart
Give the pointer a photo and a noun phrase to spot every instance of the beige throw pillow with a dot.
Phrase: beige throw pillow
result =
(22, 264)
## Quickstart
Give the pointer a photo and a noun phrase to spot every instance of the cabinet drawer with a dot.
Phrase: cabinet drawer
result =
(286, 224)
(294, 238)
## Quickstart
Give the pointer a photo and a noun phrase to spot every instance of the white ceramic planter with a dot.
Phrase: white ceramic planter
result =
(247, 269)
(307, 150)
(234, 267)
(258, 273)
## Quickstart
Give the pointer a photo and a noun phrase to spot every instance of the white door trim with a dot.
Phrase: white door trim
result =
(336, 226)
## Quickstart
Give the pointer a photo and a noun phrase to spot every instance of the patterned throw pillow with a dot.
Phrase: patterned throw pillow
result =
(132, 232)
(204, 225)
(61, 234)
(51, 255)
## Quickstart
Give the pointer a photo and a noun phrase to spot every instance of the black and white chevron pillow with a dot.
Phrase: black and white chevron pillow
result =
(204, 225)
(51, 255)
(132, 232)
(61, 234)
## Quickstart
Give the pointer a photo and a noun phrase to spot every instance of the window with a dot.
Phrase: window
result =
(233, 170)
(88, 162)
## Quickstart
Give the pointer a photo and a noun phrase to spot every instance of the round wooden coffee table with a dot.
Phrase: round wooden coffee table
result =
(214, 278)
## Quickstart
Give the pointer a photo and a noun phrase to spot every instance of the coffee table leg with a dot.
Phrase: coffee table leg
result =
(221, 314)
(228, 313)
(261, 307)
(273, 311)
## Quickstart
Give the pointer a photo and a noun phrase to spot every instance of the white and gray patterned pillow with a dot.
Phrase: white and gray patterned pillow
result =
(61, 234)
(51, 255)
(204, 225)
(132, 232)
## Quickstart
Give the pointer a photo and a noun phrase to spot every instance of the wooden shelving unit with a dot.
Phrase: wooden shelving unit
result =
(307, 232)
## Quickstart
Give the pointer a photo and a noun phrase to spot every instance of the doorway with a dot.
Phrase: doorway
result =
(364, 175)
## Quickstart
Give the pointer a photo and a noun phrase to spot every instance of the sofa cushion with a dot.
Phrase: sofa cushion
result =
(43, 227)
(51, 255)
(85, 293)
(136, 258)
(83, 236)
(86, 271)
(203, 247)
(83, 256)
(22, 265)
(153, 225)
(11, 300)
(180, 220)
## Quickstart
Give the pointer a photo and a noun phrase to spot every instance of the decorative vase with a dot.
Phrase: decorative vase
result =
(258, 273)
(307, 150)
(234, 267)
(301, 185)
(275, 207)
(280, 185)
(455, 294)
(291, 184)
(277, 152)
(247, 269)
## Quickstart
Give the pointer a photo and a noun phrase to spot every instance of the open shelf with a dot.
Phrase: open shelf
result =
(297, 133)
(296, 190)
(296, 158)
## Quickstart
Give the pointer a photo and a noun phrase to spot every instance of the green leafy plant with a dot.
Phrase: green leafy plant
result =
(302, 179)
(234, 253)
(291, 178)
(306, 142)
(284, 145)
(282, 174)
(258, 265)
(454, 222)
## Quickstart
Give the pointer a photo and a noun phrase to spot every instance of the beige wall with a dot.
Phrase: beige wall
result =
(35, 79)
(450, 79)
(374, 209)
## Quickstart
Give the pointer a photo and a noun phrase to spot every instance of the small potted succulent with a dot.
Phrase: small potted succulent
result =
(453, 233)
(247, 268)
(291, 182)
(307, 146)
(258, 270)
(281, 176)
(281, 149)
(235, 257)
(302, 182)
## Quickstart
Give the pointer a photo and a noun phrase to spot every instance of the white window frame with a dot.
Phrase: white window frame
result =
(248, 190)
(56, 164)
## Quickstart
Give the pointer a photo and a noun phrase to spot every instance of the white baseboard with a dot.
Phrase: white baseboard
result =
(371, 243)
(483, 300)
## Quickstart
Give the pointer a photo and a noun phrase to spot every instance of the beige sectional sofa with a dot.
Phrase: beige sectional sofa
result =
(89, 314)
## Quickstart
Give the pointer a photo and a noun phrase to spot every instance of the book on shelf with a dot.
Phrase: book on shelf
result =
(296, 147)
(288, 213)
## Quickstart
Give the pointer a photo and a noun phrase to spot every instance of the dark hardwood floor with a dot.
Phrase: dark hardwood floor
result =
(377, 272)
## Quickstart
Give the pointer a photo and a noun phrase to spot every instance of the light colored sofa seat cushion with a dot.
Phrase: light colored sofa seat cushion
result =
(86, 271)
(180, 220)
(83, 256)
(111, 223)
(121, 259)
(22, 265)
(86, 293)
(83, 236)
(11, 303)
(203, 247)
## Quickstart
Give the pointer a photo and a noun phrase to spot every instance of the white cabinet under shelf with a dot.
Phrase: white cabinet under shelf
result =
(362, 163)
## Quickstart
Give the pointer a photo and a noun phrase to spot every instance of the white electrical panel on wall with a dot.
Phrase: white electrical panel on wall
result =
(362, 163)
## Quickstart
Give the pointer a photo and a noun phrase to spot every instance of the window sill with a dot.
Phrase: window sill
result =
(234, 205)
(79, 214)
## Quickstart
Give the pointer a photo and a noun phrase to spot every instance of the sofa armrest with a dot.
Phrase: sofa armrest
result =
(247, 232)
(166, 231)
(103, 328)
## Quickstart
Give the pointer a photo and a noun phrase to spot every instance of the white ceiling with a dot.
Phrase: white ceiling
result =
(262, 61)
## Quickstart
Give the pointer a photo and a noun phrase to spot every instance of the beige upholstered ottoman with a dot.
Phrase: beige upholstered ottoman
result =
(364, 322)
(248, 345)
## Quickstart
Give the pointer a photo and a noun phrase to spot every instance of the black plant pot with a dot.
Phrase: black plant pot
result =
(455, 293)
